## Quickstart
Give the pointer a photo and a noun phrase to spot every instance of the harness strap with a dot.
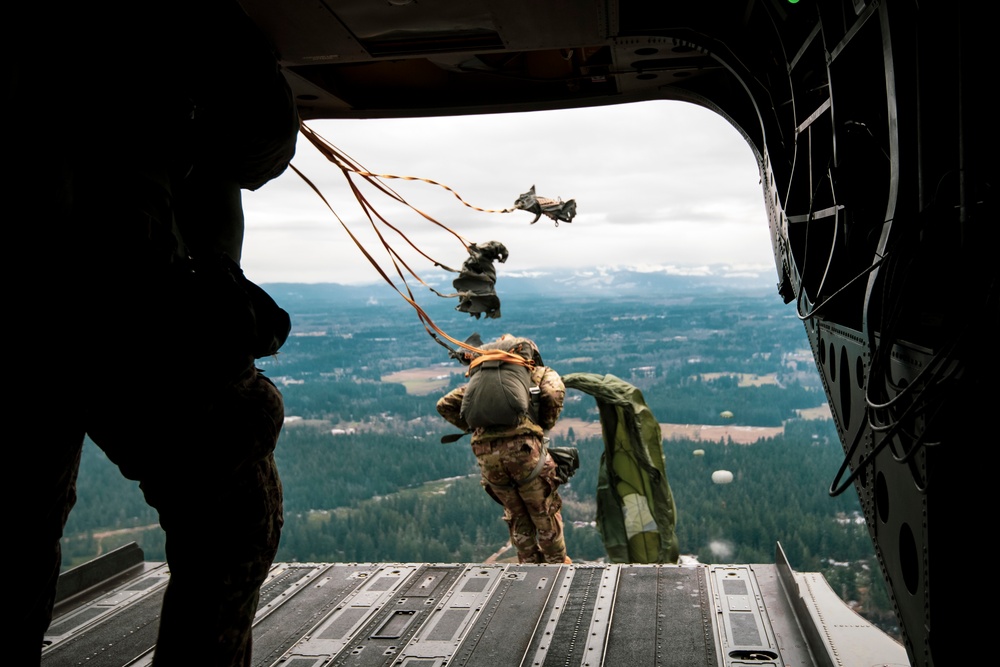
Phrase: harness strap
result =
(500, 355)
(538, 468)
(534, 473)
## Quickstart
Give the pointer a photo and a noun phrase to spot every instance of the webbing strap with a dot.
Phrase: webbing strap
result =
(348, 166)
(500, 355)
(538, 468)
(534, 473)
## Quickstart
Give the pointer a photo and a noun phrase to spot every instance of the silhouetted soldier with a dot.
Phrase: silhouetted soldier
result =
(138, 125)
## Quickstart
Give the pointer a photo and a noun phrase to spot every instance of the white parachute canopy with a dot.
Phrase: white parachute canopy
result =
(699, 452)
(722, 477)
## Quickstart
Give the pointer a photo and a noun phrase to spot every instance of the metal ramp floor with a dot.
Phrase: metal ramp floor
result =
(488, 615)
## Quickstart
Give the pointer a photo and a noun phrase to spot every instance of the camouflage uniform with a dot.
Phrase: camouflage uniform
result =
(505, 455)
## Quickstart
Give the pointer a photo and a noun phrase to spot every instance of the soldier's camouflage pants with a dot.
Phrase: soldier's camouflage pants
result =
(211, 475)
(531, 510)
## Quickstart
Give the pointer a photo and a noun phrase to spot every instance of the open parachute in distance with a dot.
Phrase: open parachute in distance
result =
(699, 452)
(726, 414)
(722, 477)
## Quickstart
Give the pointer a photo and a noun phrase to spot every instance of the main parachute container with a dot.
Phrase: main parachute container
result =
(635, 507)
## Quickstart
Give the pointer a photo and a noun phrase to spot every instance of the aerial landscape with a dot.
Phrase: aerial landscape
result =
(722, 364)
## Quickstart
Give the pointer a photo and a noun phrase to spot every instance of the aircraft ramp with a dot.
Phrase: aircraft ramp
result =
(488, 615)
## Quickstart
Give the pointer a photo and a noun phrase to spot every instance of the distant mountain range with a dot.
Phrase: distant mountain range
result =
(599, 282)
(631, 282)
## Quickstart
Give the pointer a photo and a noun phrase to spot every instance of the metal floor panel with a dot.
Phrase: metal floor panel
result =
(109, 626)
(663, 616)
(304, 594)
(501, 615)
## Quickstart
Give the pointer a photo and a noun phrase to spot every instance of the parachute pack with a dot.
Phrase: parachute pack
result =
(500, 390)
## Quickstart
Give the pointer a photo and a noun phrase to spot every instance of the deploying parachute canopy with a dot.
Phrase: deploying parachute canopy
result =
(635, 507)
(476, 282)
(722, 477)
(557, 209)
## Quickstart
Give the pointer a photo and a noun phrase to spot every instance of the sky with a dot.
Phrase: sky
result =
(659, 185)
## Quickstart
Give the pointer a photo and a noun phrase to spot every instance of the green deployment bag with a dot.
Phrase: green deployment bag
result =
(636, 512)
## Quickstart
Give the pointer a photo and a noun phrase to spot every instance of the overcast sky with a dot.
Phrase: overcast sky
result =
(657, 185)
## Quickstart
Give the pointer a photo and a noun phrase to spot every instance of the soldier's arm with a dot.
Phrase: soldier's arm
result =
(552, 393)
(449, 406)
